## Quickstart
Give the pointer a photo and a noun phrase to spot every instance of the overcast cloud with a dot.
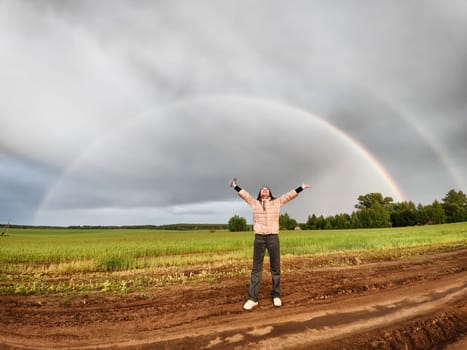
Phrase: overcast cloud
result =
(122, 112)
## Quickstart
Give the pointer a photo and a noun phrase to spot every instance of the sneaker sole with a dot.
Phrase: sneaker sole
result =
(274, 304)
(244, 308)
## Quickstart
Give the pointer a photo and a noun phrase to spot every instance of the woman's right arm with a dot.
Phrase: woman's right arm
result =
(242, 193)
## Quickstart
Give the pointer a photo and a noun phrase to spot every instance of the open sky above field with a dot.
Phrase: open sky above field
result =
(120, 113)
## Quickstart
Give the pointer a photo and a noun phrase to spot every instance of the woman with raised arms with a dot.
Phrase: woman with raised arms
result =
(266, 212)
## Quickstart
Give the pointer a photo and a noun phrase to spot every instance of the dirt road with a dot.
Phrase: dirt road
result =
(420, 303)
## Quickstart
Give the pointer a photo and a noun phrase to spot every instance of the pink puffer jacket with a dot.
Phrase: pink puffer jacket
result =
(266, 220)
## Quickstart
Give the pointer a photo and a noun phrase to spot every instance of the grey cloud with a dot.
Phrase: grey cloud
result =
(23, 184)
(103, 94)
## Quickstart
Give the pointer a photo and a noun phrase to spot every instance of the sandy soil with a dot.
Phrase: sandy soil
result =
(419, 303)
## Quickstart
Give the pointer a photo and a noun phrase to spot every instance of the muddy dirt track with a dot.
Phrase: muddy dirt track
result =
(419, 303)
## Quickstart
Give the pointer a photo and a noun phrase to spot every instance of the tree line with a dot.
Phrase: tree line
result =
(174, 227)
(373, 210)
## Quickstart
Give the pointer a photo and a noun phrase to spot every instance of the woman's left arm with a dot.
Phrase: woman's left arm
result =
(292, 194)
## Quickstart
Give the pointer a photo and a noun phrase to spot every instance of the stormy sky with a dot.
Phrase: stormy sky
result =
(126, 113)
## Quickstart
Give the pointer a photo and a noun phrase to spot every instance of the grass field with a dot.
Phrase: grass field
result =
(56, 260)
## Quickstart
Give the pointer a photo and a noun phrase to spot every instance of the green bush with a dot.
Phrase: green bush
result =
(237, 224)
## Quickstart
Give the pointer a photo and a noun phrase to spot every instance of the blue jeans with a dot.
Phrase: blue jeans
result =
(271, 243)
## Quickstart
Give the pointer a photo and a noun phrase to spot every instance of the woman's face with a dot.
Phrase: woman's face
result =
(265, 194)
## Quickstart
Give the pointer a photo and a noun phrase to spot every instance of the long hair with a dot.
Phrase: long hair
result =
(270, 193)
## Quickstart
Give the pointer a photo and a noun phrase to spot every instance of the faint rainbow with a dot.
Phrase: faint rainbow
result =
(376, 164)
(434, 144)
(357, 146)
(437, 148)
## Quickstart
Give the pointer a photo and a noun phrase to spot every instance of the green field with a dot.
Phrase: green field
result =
(55, 260)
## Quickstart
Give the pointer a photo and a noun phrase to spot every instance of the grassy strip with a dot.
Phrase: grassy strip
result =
(34, 261)
(144, 280)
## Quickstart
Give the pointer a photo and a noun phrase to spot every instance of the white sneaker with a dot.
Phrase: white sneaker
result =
(277, 302)
(250, 304)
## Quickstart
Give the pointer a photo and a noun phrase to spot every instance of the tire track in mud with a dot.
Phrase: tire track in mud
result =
(304, 328)
(418, 303)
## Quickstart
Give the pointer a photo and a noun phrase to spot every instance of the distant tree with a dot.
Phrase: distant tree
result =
(369, 200)
(329, 222)
(423, 216)
(311, 222)
(373, 211)
(342, 221)
(376, 216)
(435, 213)
(355, 220)
(316, 222)
(286, 222)
(237, 224)
(403, 214)
(455, 206)
(320, 222)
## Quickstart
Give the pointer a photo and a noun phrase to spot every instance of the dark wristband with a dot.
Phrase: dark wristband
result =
(238, 189)
(299, 189)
